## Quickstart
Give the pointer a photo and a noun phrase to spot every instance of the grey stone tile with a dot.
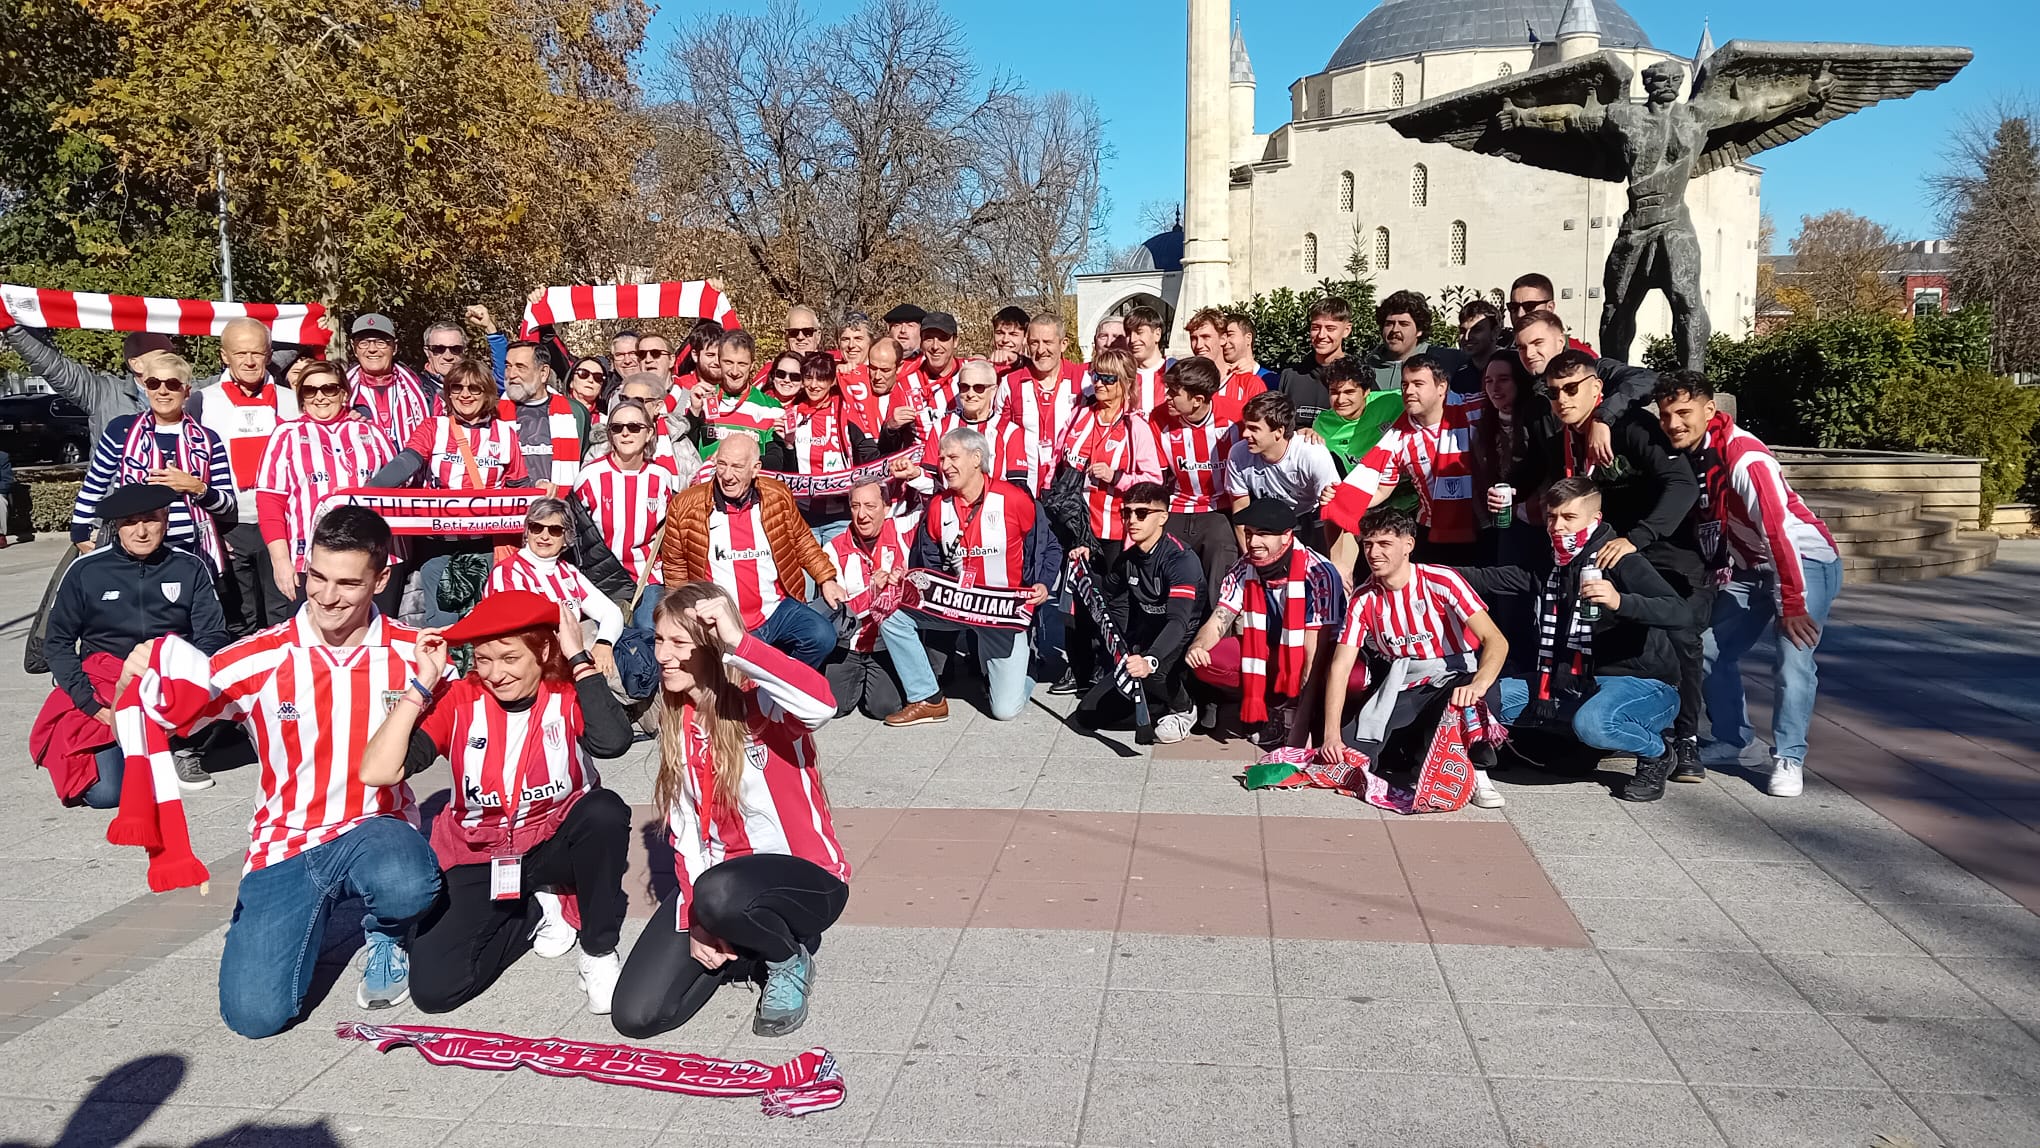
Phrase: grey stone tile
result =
(1002, 1020)
(1939, 1054)
(861, 1016)
(92, 1122)
(1969, 930)
(1779, 1049)
(2010, 983)
(1197, 797)
(1336, 1107)
(1208, 1028)
(1193, 964)
(982, 1098)
(1772, 882)
(1981, 1121)
(1634, 923)
(1595, 1114)
(876, 953)
(1817, 928)
(1565, 1041)
(1134, 1103)
(1596, 839)
(1528, 976)
(490, 1134)
(1377, 1036)
(1812, 1117)
(1358, 969)
(552, 1100)
(1931, 880)
(1031, 957)
(129, 1060)
(1086, 796)
(1711, 982)
(1654, 877)
(1889, 985)
(1093, 770)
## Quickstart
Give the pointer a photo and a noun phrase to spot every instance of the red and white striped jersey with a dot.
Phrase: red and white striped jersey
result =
(1043, 408)
(562, 582)
(740, 560)
(1439, 461)
(819, 436)
(499, 458)
(937, 392)
(1764, 519)
(1148, 389)
(245, 423)
(880, 409)
(513, 770)
(781, 806)
(1195, 459)
(1425, 619)
(310, 709)
(629, 506)
(396, 403)
(983, 544)
(856, 561)
(1230, 403)
(1129, 445)
(306, 461)
(1009, 445)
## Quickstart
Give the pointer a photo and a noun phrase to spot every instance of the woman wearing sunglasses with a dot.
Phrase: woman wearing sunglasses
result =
(163, 446)
(626, 491)
(328, 447)
(587, 383)
(818, 436)
(541, 566)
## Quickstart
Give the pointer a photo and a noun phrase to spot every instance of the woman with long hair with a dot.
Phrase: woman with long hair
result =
(528, 814)
(1498, 444)
(761, 875)
(589, 382)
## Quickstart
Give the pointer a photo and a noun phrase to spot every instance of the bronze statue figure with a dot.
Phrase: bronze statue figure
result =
(1576, 117)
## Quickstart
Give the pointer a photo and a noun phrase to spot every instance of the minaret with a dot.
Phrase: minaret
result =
(1579, 30)
(1242, 100)
(1207, 144)
(1706, 47)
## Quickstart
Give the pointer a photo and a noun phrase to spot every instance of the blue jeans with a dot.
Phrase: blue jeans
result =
(1744, 611)
(280, 919)
(796, 630)
(1625, 715)
(105, 792)
(1001, 653)
(641, 617)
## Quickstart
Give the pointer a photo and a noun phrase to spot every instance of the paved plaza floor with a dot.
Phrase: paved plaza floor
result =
(1058, 939)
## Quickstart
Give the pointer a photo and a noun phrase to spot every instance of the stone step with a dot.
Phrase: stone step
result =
(1967, 552)
(1855, 509)
(1924, 531)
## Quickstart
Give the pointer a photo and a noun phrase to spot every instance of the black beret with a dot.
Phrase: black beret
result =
(135, 498)
(905, 313)
(1269, 515)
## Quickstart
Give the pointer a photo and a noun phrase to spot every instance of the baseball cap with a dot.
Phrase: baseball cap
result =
(941, 321)
(374, 325)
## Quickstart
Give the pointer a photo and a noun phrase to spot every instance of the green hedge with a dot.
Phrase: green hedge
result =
(52, 502)
(1967, 413)
(1282, 320)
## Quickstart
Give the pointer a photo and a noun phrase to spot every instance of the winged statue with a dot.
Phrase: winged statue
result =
(1576, 117)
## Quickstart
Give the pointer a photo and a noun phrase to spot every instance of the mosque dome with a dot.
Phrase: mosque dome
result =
(1400, 28)
(1163, 252)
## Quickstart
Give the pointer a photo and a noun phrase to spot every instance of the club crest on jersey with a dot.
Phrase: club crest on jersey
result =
(172, 591)
(754, 755)
(390, 699)
(286, 712)
(555, 735)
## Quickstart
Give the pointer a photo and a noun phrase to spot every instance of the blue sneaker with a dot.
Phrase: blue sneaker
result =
(782, 1006)
(386, 976)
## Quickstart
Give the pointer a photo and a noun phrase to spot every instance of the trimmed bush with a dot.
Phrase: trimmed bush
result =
(1282, 320)
(52, 503)
(1967, 413)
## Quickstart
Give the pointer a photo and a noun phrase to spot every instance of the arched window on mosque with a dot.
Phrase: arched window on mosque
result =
(1507, 69)
(1381, 249)
(1459, 243)
(1309, 253)
(1345, 191)
(1420, 186)
(1395, 90)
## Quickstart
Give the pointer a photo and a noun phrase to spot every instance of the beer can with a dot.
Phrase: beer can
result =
(1590, 611)
(1506, 516)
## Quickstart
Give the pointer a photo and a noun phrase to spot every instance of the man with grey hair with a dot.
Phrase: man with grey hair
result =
(243, 408)
(986, 533)
(551, 426)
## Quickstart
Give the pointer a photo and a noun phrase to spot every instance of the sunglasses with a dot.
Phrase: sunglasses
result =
(1139, 513)
(585, 373)
(1107, 380)
(1529, 305)
(467, 389)
(1569, 390)
(789, 376)
(163, 384)
(447, 349)
(978, 388)
(629, 428)
(548, 529)
(653, 353)
(802, 332)
(323, 391)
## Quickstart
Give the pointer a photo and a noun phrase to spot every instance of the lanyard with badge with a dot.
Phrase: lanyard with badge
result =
(965, 577)
(506, 868)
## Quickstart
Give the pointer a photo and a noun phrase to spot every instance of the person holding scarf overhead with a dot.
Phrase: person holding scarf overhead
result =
(528, 813)
(1606, 667)
(166, 447)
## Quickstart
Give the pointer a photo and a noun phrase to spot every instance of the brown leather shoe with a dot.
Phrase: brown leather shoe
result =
(920, 713)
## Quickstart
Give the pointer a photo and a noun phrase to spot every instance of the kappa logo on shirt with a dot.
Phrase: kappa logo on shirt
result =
(286, 712)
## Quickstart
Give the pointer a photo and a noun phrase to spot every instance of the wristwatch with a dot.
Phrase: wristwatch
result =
(584, 658)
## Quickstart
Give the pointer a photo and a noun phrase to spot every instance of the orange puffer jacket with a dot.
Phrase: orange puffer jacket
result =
(683, 549)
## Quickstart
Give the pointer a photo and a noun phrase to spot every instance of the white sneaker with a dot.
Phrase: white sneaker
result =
(1174, 727)
(553, 937)
(1788, 777)
(1486, 796)
(1720, 754)
(598, 979)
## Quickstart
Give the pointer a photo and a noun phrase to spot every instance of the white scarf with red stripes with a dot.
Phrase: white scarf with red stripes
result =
(693, 299)
(141, 453)
(397, 407)
(93, 311)
(165, 697)
(1254, 638)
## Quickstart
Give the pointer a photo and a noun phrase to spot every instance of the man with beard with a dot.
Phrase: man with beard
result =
(550, 426)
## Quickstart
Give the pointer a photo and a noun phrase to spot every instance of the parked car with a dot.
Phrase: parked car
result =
(44, 428)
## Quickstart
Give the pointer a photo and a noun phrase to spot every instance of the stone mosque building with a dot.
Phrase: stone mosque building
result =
(1288, 208)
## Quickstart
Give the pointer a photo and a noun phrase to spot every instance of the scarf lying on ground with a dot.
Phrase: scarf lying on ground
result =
(694, 299)
(1444, 783)
(1086, 591)
(810, 1082)
(92, 311)
(1560, 628)
(466, 513)
(1254, 639)
(163, 698)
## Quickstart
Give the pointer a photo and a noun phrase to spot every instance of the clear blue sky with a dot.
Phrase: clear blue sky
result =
(1128, 56)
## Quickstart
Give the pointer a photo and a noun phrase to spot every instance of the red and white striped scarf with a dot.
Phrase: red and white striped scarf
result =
(693, 299)
(565, 434)
(142, 454)
(1254, 638)
(93, 311)
(162, 699)
(397, 408)
(810, 1082)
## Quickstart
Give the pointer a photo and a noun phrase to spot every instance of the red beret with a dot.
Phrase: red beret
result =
(504, 613)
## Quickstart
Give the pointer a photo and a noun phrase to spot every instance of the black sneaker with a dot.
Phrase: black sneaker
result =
(1649, 782)
(1069, 683)
(1686, 767)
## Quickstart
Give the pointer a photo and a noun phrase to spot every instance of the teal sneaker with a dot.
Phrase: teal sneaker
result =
(386, 976)
(782, 1006)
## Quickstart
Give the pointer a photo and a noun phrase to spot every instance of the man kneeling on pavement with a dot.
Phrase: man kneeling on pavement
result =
(1151, 590)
